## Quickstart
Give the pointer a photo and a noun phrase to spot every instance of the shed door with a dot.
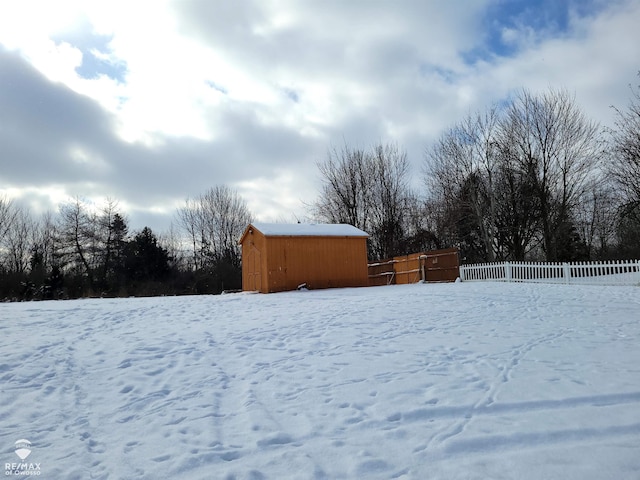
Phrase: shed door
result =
(254, 277)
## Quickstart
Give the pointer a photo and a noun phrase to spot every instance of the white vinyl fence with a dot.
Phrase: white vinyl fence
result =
(624, 272)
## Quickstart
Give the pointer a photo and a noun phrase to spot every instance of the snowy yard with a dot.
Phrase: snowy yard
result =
(446, 381)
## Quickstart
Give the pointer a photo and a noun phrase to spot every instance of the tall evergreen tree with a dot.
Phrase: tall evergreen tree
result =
(145, 259)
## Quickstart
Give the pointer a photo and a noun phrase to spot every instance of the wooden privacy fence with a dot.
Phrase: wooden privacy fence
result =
(620, 272)
(431, 266)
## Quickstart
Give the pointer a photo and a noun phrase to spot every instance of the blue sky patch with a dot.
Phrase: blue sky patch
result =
(512, 25)
(217, 87)
(96, 52)
(93, 66)
(291, 94)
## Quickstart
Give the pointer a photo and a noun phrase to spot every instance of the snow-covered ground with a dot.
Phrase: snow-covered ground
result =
(447, 381)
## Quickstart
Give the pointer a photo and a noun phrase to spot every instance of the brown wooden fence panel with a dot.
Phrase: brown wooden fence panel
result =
(381, 273)
(442, 265)
(401, 267)
(431, 266)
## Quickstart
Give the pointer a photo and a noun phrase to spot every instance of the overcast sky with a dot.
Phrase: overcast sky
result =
(151, 102)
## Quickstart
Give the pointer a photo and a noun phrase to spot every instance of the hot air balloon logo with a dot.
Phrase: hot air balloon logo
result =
(23, 448)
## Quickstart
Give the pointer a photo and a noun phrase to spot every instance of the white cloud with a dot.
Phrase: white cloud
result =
(38, 200)
(596, 61)
(277, 197)
(252, 94)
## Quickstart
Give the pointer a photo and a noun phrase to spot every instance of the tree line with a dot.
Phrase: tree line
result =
(88, 250)
(530, 179)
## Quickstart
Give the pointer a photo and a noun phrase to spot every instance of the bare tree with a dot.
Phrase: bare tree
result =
(213, 223)
(369, 190)
(460, 172)
(551, 138)
(226, 217)
(624, 169)
(92, 247)
(346, 197)
(44, 271)
(189, 220)
(43, 242)
(76, 240)
(510, 180)
(516, 210)
(171, 241)
(109, 237)
(18, 241)
(390, 200)
(596, 220)
(7, 216)
(625, 144)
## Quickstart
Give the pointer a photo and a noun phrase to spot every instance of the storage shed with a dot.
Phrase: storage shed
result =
(279, 257)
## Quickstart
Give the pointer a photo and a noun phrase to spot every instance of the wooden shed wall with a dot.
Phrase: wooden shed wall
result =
(320, 262)
(254, 262)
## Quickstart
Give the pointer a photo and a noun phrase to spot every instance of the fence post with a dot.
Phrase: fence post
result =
(507, 271)
(566, 272)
